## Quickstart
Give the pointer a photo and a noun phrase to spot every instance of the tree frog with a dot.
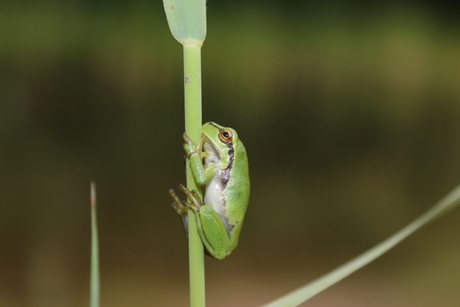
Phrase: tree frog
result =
(219, 163)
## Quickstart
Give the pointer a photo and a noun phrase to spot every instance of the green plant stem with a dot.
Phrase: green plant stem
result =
(94, 280)
(192, 90)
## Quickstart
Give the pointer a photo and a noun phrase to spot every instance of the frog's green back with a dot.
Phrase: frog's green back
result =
(238, 188)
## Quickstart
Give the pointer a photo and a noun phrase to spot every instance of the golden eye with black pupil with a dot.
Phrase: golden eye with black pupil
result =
(226, 135)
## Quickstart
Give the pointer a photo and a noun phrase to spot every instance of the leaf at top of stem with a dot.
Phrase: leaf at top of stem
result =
(187, 20)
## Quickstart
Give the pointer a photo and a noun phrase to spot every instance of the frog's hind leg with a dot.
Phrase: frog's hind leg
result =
(212, 231)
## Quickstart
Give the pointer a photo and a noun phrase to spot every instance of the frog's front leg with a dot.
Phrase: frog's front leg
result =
(194, 153)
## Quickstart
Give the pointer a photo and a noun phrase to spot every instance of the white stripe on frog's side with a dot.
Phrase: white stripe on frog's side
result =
(214, 195)
(214, 189)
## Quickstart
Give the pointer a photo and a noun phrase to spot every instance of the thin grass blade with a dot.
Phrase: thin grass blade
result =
(449, 202)
(94, 281)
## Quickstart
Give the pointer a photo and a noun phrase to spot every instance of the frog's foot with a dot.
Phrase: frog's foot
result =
(204, 154)
(177, 204)
(195, 201)
(186, 138)
(188, 146)
(181, 209)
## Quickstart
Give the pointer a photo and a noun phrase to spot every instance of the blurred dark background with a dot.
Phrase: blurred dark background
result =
(349, 112)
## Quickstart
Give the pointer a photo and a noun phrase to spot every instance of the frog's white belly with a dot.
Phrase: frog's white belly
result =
(214, 195)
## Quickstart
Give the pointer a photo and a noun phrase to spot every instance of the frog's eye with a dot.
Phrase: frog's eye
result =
(226, 135)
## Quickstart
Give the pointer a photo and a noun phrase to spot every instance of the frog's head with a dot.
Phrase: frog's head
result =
(219, 140)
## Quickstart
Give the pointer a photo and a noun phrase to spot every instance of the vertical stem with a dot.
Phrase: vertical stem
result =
(95, 283)
(192, 90)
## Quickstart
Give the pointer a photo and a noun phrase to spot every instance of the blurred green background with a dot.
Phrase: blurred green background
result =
(349, 112)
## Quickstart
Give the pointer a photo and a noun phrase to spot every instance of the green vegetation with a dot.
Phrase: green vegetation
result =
(350, 120)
